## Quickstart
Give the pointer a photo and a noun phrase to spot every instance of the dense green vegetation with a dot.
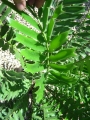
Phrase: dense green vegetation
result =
(55, 81)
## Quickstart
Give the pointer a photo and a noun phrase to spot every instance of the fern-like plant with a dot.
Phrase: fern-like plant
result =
(54, 84)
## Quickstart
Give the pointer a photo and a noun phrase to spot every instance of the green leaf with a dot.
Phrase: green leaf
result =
(87, 21)
(40, 92)
(30, 20)
(24, 15)
(50, 28)
(58, 41)
(58, 82)
(74, 9)
(15, 115)
(10, 34)
(30, 54)
(63, 77)
(4, 30)
(1, 23)
(84, 34)
(7, 12)
(46, 13)
(66, 23)
(12, 74)
(86, 28)
(49, 113)
(21, 117)
(33, 68)
(63, 54)
(1, 75)
(22, 28)
(63, 68)
(57, 12)
(60, 29)
(73, 1)
(69, 16)
(53, 80)
(88, 65)
(45, 18)
(29, 42)
(5, 47)
(19, 57)
(1, 42)
(2, 7)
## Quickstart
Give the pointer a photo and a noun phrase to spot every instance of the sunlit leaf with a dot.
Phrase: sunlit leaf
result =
(22, 28)
(40, 92)
(58, 41)
(33, 68)
(30, 54)
(63, 54)
(29, 42)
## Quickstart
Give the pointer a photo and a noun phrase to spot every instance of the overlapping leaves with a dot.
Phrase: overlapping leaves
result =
(48, 52)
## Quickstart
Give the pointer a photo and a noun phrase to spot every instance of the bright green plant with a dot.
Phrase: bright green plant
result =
(55, 57)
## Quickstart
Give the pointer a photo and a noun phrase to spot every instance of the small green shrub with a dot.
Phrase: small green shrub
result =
(54, 84)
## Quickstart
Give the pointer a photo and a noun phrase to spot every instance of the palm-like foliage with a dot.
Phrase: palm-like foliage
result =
(55, 61)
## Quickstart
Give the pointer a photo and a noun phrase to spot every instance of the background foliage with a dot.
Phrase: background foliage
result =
(55, 81)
